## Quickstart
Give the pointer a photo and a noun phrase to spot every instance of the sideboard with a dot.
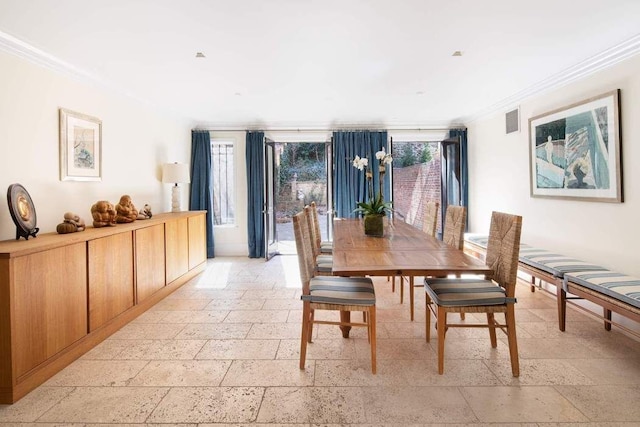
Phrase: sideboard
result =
(62, 294)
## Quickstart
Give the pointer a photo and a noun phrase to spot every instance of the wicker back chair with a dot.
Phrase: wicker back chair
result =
(430, 221)
(343, 294)
(454, 223)
(482, 295)
(324, 262)
(325, 247)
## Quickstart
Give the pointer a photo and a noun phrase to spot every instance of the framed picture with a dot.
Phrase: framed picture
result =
(80, 147)
(575, 152)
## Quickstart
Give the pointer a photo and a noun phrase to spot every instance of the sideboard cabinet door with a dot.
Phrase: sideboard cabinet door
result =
(197, 241)
(177, 248)
(50, 296)
(110, 277)
(150, 276)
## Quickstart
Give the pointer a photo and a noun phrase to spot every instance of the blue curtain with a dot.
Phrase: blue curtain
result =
(201, 197)
(255, 192)
(349, 183)
(464, 166)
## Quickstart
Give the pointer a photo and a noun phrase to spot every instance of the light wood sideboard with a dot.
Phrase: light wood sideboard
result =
(62, 294)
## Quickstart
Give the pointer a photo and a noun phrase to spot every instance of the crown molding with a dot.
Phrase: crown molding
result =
(606, 59)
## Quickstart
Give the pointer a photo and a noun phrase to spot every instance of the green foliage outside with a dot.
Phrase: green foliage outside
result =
(305, 160)
(411, 153)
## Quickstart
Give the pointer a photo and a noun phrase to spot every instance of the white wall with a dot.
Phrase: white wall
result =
(136, 140)
(603, 233)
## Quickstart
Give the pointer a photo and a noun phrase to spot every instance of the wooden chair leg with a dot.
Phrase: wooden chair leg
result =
(411, 296)
(372, 333)
(306, 317)
(427, 321)
(442, 327)
(491, 321)
(393, 283)
(310, 333)
(401, 283)
(513, 342)
(607, 315)
(462, 315)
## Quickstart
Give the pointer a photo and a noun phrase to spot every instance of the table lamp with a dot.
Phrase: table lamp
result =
(175, 173)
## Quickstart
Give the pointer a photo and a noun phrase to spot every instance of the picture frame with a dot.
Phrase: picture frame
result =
(575, 151)
(80, 147)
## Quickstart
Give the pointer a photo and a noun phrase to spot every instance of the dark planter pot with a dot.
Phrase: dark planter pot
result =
(373, 225)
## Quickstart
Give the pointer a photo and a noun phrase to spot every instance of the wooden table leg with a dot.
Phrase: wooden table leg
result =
(411, 295)
(345, 317)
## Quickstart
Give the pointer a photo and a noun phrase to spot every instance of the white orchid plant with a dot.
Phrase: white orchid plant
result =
(376, 204)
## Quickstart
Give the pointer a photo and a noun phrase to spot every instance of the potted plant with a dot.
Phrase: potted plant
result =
(375, 208)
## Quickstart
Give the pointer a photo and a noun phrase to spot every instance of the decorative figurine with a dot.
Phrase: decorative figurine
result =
(145, 213)
(71, 224)
(125, 210)
(22, 211)
(104, 214)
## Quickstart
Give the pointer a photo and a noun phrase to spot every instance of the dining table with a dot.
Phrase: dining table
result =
(403, 250)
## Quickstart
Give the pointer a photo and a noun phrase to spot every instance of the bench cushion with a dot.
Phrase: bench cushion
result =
(341, 290)
(616, 285)
(556, 264)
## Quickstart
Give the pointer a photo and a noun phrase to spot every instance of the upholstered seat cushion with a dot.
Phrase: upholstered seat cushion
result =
(341, 290)
(556, 264)
(324, 263)
(616, 285)
(465, 292)
(326, 247)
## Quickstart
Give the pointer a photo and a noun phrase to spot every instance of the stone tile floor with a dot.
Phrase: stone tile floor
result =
(223, 349)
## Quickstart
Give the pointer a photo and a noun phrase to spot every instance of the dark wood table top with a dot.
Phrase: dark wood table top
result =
(403, 250)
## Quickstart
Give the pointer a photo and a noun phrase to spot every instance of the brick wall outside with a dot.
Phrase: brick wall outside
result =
(413, 186)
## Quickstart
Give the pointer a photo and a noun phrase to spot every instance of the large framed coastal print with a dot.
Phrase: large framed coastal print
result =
(80, 147)
(575, 151)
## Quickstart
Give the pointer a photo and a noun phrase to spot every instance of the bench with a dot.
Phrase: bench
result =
(613, 291)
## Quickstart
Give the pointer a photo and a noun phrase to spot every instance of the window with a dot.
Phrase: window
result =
(223, 177)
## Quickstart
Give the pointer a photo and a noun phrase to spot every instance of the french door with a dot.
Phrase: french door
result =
(268, 211)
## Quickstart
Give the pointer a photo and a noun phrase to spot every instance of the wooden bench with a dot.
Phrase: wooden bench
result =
(569, 275)
(614, 292)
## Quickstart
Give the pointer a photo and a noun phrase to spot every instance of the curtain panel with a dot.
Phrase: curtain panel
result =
(349, 183)
(201, 194)
(255, 193)
(464, 166)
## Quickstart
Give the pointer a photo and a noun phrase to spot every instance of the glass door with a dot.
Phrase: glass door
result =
(270, 230)
(451, 184)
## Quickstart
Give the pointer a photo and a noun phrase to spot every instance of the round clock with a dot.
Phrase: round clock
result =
(22, 211)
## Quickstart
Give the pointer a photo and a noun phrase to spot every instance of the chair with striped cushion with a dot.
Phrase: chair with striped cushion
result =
(326, 247)
(343, 294)
(324, 262)
(482, 295)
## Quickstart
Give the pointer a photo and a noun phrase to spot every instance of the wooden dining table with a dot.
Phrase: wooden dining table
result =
(403, 250)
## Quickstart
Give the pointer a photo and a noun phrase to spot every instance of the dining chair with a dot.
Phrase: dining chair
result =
(489, 296)
(453, 233)
(326, 247)
(324, 262)
(429, 225)
(331, 293)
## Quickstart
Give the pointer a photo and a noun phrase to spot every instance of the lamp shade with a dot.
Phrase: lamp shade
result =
(175, 173)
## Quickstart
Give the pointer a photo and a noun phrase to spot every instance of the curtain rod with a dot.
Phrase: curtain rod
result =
(252, 129)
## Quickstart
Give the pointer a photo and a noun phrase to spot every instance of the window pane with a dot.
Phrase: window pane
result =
(416, 179)
(223, 174)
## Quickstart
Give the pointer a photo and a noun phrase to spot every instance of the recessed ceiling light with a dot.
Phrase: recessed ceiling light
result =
(200, 55)
(457, 53)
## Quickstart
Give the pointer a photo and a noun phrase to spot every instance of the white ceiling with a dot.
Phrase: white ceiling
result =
(324, 63)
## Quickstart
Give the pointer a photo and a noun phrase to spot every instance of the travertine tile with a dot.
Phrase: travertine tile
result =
(358, 373)
(257, 316)
(207, 331)
(235, 304)
(396, 348)
(457, 372)
(521, 404)
(96, 373)
(141, 331)
(33, 405)
(337, 348)
(539, 372)
(107, 349)
(161, 349)
(239, 349)
(173, 304)
(605, 402)
(183, 373)
(200, 316)
(278, 331)
(609, 371)
(285, 405)
(264, 294)
(405, 404)
(208, 405)
(268, 373)
(106, 405)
